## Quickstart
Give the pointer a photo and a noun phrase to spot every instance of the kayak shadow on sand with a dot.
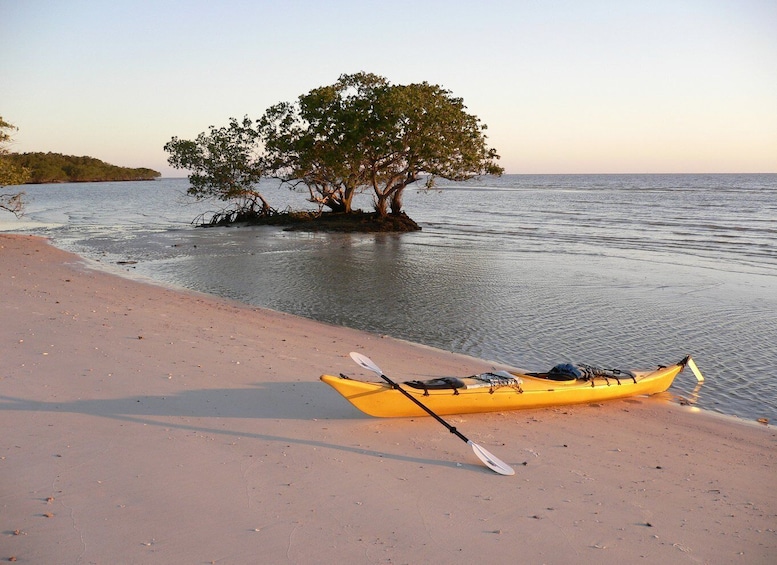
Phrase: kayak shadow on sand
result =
(274, 400)
(267, 401)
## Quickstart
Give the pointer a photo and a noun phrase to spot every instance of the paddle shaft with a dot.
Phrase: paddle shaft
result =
(492, 462)
(451, 429)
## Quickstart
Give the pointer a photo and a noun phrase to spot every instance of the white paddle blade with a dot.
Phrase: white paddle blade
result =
(365, 362)
(695, 369)
(492, 462)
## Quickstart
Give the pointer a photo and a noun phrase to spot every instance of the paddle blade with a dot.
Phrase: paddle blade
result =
(365, 362)
(695, 369)
(491, 461)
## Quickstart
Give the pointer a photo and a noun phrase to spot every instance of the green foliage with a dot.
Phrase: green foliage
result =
(320, 141)
(224, 164)
(363, 132)
(55, 167)
(420, 130)
(10, 173)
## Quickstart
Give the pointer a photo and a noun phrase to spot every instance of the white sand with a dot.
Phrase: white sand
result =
(145, 425)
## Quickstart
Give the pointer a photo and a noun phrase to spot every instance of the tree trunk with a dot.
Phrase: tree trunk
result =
(335, 205)
(396, 202)
(266, 209)
(381, 205)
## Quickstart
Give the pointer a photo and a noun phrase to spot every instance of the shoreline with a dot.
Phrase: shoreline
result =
(125, 269)
(533, 301)
(151, 424)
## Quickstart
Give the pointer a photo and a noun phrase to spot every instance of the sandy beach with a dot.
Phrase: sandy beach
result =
(142, 424)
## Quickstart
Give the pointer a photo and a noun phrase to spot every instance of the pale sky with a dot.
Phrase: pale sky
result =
(585, 86)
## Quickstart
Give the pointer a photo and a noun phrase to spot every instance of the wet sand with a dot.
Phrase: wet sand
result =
(148, 425)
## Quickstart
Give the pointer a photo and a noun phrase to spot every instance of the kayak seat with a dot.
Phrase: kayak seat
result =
(561, 372)
(442, 383)
(553, 376)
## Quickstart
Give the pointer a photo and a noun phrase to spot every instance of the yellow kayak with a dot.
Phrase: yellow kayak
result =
(503, 390)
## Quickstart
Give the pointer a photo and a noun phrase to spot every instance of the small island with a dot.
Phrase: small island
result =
(353, 221)
(57, 168)
(360, 135)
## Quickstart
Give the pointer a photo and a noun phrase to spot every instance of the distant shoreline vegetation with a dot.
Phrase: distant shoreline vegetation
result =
(49, 167)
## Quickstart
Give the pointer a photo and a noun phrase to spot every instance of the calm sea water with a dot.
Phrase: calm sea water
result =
(627, 271)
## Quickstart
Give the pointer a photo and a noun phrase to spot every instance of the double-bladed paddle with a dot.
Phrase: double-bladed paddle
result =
(492, 462)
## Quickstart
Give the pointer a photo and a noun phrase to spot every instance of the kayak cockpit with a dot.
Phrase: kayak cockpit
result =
(491, 380)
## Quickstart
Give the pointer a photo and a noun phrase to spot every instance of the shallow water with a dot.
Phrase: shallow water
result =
(624, 271)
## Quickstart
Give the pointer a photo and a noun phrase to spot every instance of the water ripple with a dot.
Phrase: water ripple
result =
(626, 271)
